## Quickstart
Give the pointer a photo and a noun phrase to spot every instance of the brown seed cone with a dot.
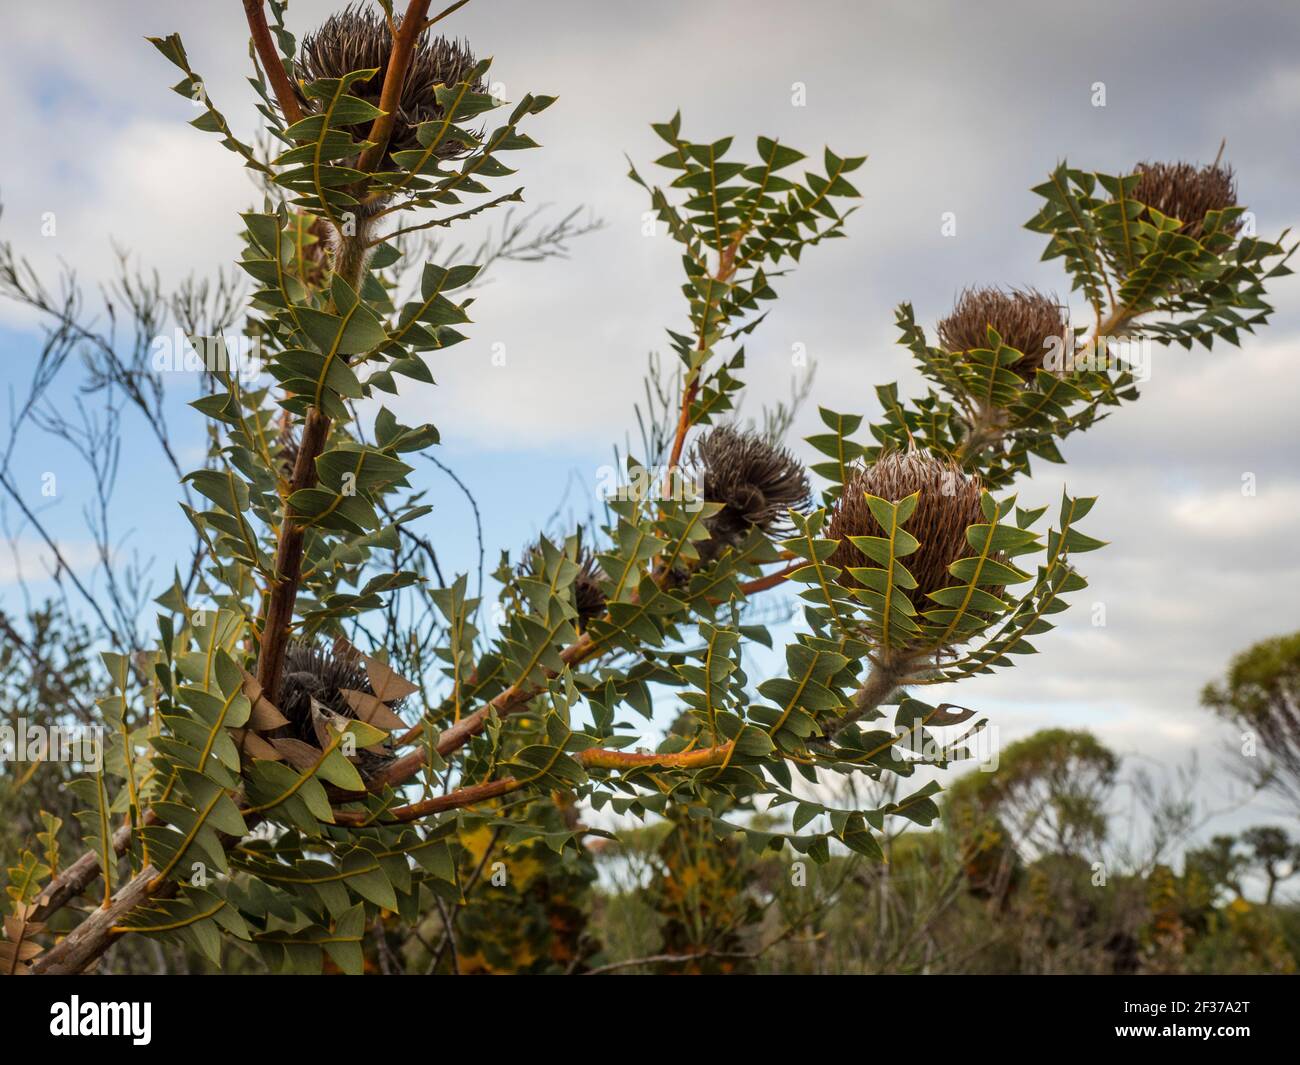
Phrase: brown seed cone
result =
(359, 39)
(756, 482)
(1026, 319)
(588, 595)
(312, 672)
(949, 503)
(1187, 192)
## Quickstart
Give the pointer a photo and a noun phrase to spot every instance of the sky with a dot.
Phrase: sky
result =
(960, 107)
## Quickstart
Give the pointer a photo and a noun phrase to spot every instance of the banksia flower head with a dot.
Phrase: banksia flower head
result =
(756, 481)
(949, 503)
(588, 595)
(320, 674)
(360, 39)
(1025, 319)
(1187, 192)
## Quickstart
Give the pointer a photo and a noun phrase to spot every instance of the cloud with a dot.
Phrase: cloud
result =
(29, 559)
(1231, 516)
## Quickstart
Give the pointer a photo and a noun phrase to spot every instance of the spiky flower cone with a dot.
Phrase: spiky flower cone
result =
(1025, 319)
(756, 482)
(312, 672)
(359, 39)
(588, 595)
(949, 503)
(1187, 192)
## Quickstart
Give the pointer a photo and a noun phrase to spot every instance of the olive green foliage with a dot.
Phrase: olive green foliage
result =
(288, 855)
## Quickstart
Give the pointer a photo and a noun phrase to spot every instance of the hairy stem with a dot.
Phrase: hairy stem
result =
(881, 682)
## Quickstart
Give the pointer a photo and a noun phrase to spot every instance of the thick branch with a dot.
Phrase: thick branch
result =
(880, 682)
(85, 943)
(80, 874)
(394, 78)
(288, 557)
(467, 796)
(592, 758)
(271, 61)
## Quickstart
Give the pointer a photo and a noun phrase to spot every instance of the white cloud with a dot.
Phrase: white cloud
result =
(1230, 516)
(28, 558)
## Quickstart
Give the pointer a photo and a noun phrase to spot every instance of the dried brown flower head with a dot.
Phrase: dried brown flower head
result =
(312, 672)
(1187, 192)
(359, 39)
(588, 595)
(949, 503)
(1025, 319)
(756, 481)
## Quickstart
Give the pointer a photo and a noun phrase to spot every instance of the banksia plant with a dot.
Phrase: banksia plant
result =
(359, 38)
(588, 588)
(1187, 193)
(948, 503)
(906, 571)
(1025, 319)
(754, 481)
(1161, 257)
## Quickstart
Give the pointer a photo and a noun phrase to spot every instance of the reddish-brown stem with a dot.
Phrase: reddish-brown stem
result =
(452, 739)
(770, 580)
(726, 269)
(592, 758)
(271, 61)
(394, 78)
(288, 557)
(683, 426)
(402, 769)
(454, 800)
(598, 758)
